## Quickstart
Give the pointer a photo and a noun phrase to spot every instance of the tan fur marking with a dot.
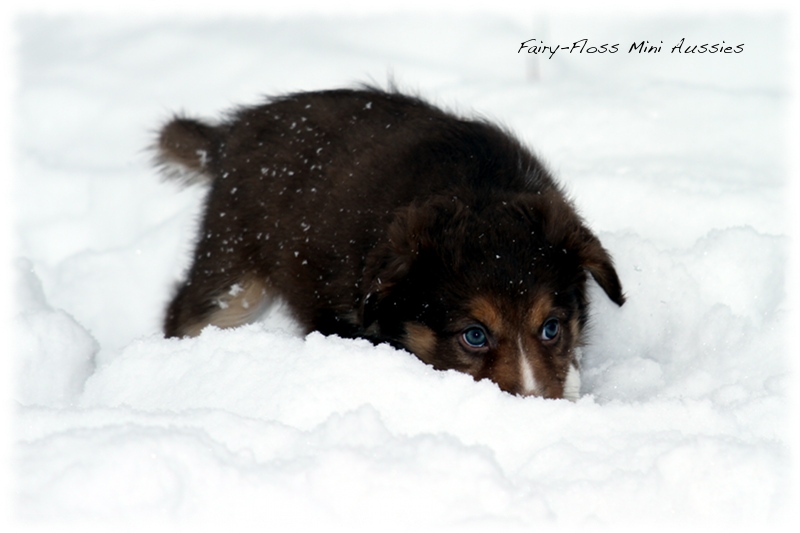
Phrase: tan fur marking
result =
(505, 367)
(240, 304)
(420, 340)
(193, 330)
(483, 310)
(542, 307)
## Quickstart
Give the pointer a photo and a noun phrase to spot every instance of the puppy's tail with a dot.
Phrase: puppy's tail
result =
(186, 148)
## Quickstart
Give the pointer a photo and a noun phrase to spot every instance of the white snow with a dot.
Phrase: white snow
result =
(678, 162)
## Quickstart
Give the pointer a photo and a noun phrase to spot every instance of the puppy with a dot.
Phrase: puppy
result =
(375, 214)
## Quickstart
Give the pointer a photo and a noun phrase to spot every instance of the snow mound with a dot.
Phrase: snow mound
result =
(55, 354)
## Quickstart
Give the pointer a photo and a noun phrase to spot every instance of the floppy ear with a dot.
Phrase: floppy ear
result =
(412, 234)
(391, 261)
(596, 260)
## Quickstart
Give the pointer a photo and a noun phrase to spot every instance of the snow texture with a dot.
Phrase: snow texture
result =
(677, 161)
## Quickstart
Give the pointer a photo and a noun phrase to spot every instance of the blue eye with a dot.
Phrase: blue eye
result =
(550, 329)
(474, 337)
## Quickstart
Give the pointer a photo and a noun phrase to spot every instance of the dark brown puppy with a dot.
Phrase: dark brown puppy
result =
(374, 214)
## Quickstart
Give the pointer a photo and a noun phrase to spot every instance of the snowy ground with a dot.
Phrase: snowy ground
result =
(678, 162)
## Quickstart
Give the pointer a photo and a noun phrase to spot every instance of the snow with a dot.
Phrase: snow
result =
(679, 163)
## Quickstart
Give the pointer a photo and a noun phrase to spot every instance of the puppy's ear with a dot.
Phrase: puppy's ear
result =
(414, 234)
(390, 262)
(598, 263)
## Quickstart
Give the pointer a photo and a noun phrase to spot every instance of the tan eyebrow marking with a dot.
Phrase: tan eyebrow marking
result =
(485, 312)
(541, 311)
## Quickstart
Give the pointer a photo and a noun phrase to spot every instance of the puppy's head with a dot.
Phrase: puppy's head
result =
(493, 287)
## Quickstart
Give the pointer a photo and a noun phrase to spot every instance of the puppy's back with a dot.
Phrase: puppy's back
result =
(305, 187)
(338, 131)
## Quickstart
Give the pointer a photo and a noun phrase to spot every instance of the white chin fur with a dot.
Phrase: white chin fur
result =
(572, 385)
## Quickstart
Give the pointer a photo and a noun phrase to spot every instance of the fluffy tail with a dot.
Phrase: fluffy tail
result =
(185, 149)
